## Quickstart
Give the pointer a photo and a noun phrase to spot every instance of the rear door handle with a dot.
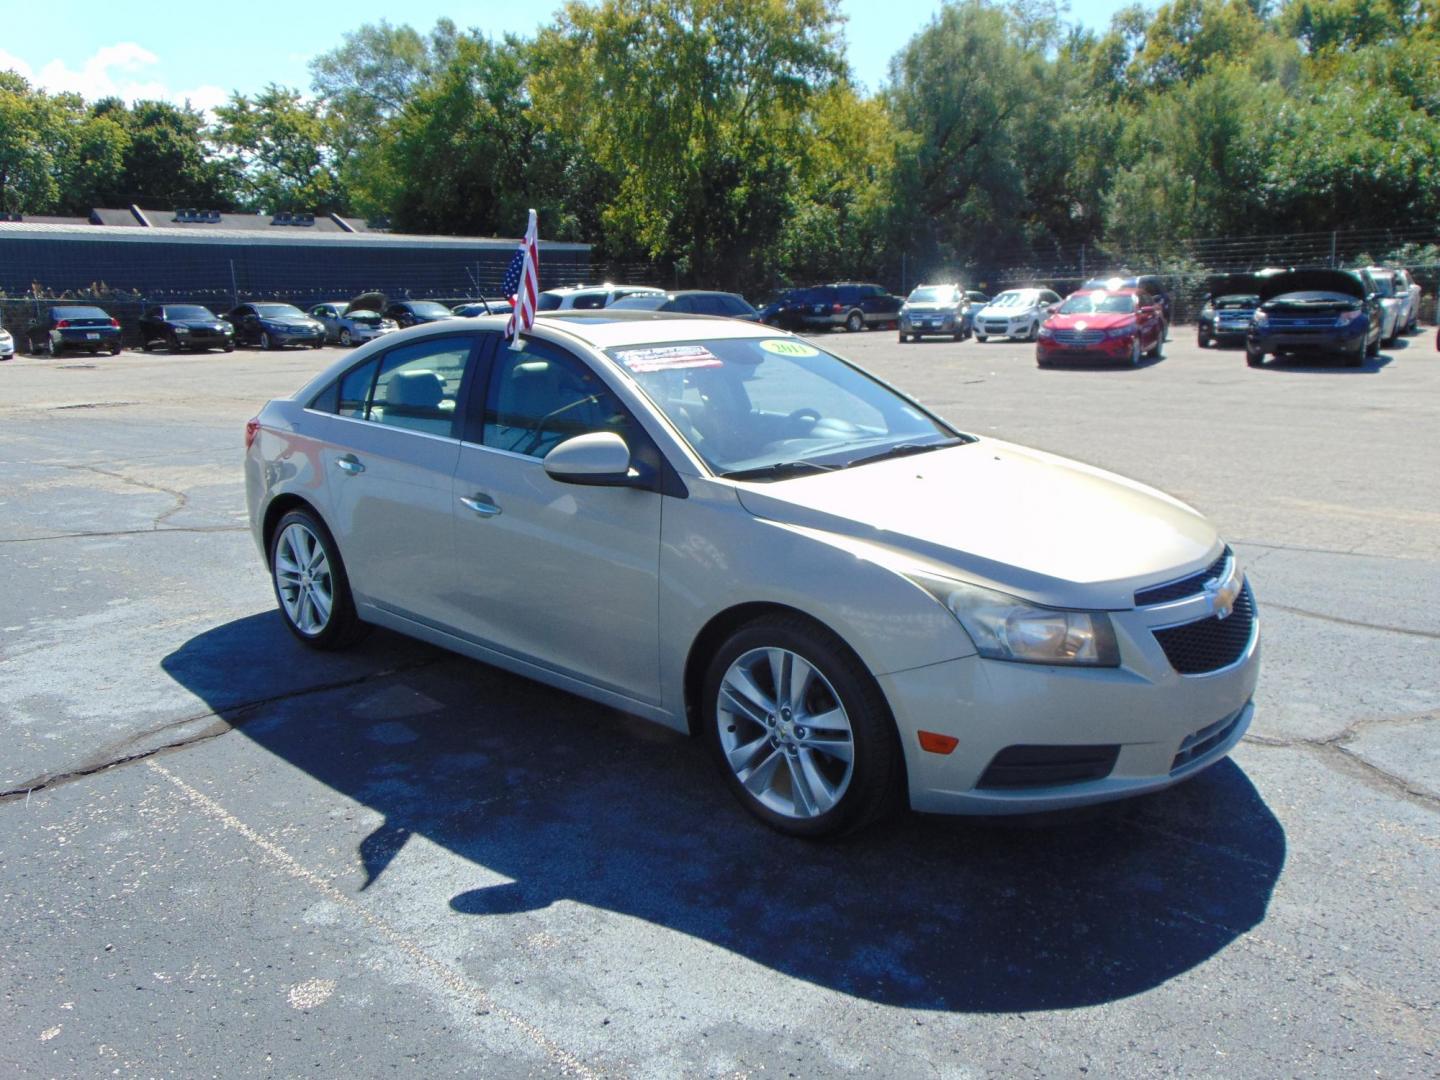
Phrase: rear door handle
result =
(481, 504)
(350, 464)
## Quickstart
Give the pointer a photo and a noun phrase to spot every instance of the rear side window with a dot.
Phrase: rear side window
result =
(355, 390)
(418, 385)
(588, 301)
(547, 301)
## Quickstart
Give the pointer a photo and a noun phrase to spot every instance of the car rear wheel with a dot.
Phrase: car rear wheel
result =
(800, 729)
(115, 349)
(310, 583)
(854, 322)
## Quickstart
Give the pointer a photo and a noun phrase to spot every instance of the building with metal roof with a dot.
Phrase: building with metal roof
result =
(215, 257)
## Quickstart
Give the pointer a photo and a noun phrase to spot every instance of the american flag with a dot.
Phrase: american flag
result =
(522, 283)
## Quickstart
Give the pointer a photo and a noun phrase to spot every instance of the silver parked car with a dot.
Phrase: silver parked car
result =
(349, 327)
(733, 532)
(1015, 313)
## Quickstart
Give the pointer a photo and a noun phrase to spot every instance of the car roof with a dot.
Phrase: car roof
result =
(607, 328)
(77, 307)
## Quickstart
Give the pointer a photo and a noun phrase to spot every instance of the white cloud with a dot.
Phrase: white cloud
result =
(114, 71)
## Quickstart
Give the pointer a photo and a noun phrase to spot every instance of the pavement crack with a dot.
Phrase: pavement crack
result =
(224, 719)
(1335, 749)
(1431, 634)
(128, 532)
(1320, 551)
(181, 498)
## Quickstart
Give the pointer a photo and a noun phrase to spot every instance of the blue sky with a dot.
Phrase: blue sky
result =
(177, 51)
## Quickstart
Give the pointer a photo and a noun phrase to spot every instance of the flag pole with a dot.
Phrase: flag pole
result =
(526, 267)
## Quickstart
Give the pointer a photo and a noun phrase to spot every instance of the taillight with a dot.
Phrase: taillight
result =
(837, 308)
(115, 323)
(252, 428)
(62, 324)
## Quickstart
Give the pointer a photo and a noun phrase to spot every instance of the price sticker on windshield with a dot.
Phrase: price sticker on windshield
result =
(668, 358)
(782, 347)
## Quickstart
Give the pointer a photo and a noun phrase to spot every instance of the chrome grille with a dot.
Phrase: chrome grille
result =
(1079, 337)
(1181, 587)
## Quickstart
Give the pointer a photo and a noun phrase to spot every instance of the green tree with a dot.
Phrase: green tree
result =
(697, 110)
(165, 162)
(281, 149)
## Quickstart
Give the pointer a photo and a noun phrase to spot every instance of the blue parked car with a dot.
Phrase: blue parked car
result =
(74, 328)
(1316, 312)
(1229, 306)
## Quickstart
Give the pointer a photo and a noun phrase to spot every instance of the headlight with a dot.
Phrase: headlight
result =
(1046, 333)
(1260, 319)
(1007, 628)
(1345, 318)
(1128, 330)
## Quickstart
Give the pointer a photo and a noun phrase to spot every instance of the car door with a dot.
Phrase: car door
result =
(247, 327)
(388, 459)
(562, 575)
(1150, 321)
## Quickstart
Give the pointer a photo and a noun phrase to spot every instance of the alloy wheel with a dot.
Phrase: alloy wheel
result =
(784, 733)
(303, 579)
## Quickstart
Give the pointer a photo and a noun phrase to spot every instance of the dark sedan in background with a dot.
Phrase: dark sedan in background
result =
(275, 325)
(691, 302)
(487, 306)
(1316, 312)
(73, 328)
(185, 327)
(417, 312)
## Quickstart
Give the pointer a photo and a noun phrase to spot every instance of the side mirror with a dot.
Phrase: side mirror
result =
(599, 459)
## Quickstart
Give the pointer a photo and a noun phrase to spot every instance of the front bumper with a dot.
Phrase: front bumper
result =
(1329, 341)
(1116, 350)
(1003, 327)
(294, 335)
(369, 333)
(926, 322)
(7, 347)
(1162, 727)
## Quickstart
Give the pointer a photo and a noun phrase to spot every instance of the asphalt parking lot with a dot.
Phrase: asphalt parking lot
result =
(222, 855)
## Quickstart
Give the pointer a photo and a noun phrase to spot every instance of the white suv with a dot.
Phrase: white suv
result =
(579, 297)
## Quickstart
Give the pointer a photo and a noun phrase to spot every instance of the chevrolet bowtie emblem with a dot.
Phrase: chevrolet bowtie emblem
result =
(1220, 596)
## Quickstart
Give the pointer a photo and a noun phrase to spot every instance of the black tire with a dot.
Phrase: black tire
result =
(49, 349)
(346, 339)
(981, 338)
(229, 346)
(854, 322)
(1040, 361)
(173, 344)
(1372, 349)
(1135, 352)
(957, 337)
(1203, 340)
(1034, 332)
(876, 781)
(344, 626)
(319, 344)
(266, 341)
(115, 349)
(1356, 358)
(1253, 357)
(1157, 353)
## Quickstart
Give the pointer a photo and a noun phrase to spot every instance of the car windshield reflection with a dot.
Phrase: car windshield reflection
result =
(771, 408)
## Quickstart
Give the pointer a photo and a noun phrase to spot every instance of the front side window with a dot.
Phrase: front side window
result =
(755, 408)
(539, 396)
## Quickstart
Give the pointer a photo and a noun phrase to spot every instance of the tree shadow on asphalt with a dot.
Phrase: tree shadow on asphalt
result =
(574, 801)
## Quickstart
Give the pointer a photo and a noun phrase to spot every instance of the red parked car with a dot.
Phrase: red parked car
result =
(1119, 325)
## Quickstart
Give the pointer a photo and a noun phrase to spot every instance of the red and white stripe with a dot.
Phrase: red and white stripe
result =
(526, 296)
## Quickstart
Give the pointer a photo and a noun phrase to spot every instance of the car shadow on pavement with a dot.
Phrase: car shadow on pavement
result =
(574, 801)
(1308, 365)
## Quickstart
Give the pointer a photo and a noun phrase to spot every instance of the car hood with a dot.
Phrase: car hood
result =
(926, 306)
(1319, 280)
(289, 320)
(1090, 320)
(990, 311)
(198, 324)
(1030, 523)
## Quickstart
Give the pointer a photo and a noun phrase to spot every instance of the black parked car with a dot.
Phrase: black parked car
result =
(786, 311)
(414, 312)
(183, 327)
(1318, 311)
(72, 328)
(1229, 306)
(691, 301)
(274, 325)
(487, 306)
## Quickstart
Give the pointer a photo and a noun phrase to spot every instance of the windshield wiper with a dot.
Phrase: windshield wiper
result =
(905, 450)
(778, 471)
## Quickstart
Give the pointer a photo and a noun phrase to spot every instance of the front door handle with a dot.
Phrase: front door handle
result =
(350, 464)
(481, 504)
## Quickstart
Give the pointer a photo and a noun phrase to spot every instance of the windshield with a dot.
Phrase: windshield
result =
(932, 294)
(1237, 300)
(278, 309)
(1099, 303)
(429, 307)
(641, 301)
(776, 406)
(1384, 286)
(1013, 299)
(189, 311)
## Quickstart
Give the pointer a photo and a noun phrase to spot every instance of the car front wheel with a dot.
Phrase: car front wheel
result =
(1254, 357)
(266, 341)
(310, 583)
(802, 732)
